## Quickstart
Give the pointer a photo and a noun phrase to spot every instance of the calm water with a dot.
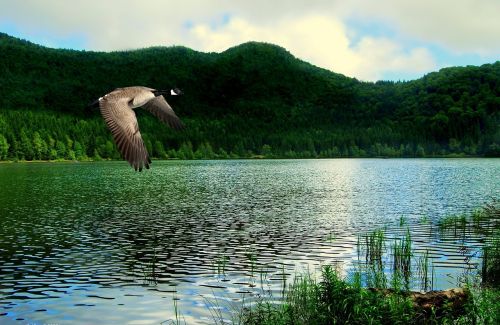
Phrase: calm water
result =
(85, 243)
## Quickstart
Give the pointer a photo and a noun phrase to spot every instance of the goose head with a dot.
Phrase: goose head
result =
(171, 92)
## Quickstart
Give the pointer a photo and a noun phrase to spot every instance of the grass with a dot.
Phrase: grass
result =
(220, 264)
(331, 237)
(332, 300)
(490, 271)
(424, 219)
(387, 255)
(252, 259)
(401, 259)
(483, 307)
(149, 271)
(179, 319)
(423, 265)
(482, 221)
(454, 223)
(374, 246)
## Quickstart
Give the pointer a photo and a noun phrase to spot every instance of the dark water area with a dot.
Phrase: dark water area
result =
(97, 243)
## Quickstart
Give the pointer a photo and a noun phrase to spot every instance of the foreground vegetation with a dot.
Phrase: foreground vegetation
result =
(372, 295)
(336, 300)
(252, 100)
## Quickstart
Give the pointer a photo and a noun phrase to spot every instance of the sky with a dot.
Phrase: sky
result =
(366, 39)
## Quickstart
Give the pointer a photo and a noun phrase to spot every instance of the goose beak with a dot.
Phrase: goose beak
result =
(94, 104)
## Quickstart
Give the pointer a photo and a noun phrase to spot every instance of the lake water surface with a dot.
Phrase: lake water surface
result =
(97, 243)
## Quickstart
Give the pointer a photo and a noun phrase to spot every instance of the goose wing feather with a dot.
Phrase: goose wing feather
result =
(122, 122)
(159, 107)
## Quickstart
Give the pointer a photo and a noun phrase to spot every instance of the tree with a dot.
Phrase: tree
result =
(222, 154)
(171, 153)
(79, 151)
(186, 151)
(159, 150)
(238, 150)
(149, 146)
(26, 146)
(419, 151)
(39, 146)
(454, 145)
(4, 147)
(266, 150)
(53, 154)
(107, 150)
(60, 149)
(204, 151)
(14, 150)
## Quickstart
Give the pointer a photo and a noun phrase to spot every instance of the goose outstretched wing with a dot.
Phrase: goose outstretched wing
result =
(122, 122)
(159, 107)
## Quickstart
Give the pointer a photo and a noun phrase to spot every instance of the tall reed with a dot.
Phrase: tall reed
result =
(423, 265)
(401, 258)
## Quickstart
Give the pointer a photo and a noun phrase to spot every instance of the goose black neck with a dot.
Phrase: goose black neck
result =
(161, 92)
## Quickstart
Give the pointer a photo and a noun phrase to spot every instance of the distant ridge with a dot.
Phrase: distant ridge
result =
(252, 99)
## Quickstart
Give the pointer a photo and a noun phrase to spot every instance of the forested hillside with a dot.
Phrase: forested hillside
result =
(253, 99)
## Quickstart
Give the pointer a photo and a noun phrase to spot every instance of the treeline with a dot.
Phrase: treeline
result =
(49, 136)
(252, 100)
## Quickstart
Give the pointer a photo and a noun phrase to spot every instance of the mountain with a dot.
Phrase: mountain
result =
(255, 98)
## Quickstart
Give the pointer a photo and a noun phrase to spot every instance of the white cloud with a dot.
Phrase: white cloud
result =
(379, 56)
(322, 41)
(459, 25)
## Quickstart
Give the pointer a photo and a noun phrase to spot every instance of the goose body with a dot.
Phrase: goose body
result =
(117, 110)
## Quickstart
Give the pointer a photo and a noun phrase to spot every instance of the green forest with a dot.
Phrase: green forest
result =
(252, 100)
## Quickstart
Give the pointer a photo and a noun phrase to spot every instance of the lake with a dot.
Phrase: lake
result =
(92, 243)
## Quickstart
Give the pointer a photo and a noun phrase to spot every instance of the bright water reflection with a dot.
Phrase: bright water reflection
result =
(98, 243)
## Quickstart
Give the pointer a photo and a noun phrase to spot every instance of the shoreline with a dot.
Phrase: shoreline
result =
(243, 158)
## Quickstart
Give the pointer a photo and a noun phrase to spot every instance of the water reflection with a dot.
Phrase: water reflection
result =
(99, 237)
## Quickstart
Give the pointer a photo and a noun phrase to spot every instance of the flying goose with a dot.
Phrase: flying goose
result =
(117, 111)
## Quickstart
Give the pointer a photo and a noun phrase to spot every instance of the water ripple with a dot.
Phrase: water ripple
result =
(124, 244)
